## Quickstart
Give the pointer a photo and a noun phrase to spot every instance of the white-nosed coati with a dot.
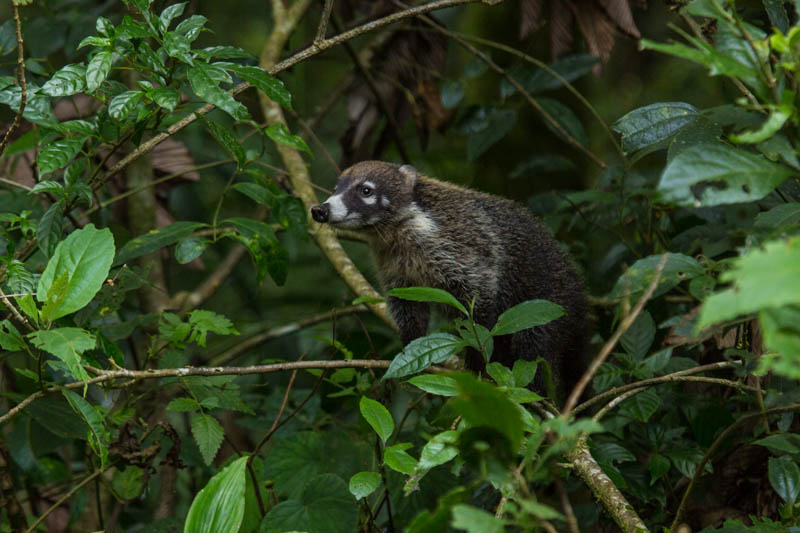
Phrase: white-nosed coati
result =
(430, 233)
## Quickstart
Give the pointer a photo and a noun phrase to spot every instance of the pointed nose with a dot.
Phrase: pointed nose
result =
(321, 213)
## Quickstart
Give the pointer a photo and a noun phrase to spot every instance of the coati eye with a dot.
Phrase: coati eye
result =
(366, 191)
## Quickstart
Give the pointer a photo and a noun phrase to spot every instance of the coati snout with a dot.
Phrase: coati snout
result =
(431, 233)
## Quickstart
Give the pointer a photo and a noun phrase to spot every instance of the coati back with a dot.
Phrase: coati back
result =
(426, 232)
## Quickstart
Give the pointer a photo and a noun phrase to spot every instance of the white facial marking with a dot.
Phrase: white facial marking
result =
(338, 210)
(385, 201)
(369, 184)
(420, 222)
(369, 200)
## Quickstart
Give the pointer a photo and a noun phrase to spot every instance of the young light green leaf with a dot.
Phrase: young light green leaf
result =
(436, 384)
(279, 134)
(422, 353)
(527, 315)
(364, 483)
(259, 78)
(653, 124)
(784, 476)
(67, 344)
(438, 451)
(57, 154)
(777, 118)
(524, 372)
(474, 520)
(219, 506)
(69, 80)
(428, 294)
(226, 139)
(183, 405)
(155, 239)
(500, 374)
(208, 434)
(98, 69)
(128, 483)
(706, 175)
(399, 460)
(378, 417)
(122, 104)
(203, 321)
(207, 89)
(82, 262)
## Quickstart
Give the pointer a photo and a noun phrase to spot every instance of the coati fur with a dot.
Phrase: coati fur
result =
(430, 233)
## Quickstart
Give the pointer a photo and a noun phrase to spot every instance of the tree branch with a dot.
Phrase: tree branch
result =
(23, 86)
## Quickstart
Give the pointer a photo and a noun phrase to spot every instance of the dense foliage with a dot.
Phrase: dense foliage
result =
(150, 378)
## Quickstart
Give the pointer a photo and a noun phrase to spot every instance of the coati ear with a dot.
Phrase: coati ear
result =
(410, 175)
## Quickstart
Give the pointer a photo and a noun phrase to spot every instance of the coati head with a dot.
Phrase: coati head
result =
(369, 194)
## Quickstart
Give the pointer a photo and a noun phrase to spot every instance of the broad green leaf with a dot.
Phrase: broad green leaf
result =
(49, 228)
(484, 127)
(643, 405)
(777, 118)
(438, 451)
(565, 118)
(48, 186)
(659, 466)
(713, 174)
(130, 29)
(260, 194)
(501, 375)
(534, 79)
(764, 278)
(10, 338)
(170, 12)
(191, 27)
(122, 104)
(203, 321)
(422, 353)
(224, 52)
(428, 294)
(452, 92)
(69, 80)
(57, 154)
(67, 344)
(539, 510)
(219, 506)
(259, 78)
(190, 249)
(81, 262)
(128, 483)
(474, 520)
(325, 505)
(718, 63)
(178, 46)
(527, 315)
(364, 483)
(155, 239)
(782, 338)
(436, 384)
(253, 228)
(226, 139)
(207, 89)
(524, 372)
(279, 134)
(785, 442)
(653, 124)
(98, 437)
(639, 337)
(166, 98)
(686, 460)
(399, 460)
(638, 277)
(780, 216)
(208, 434)
(183, 405)
(784, 476)
(378, 417)
(98, 69)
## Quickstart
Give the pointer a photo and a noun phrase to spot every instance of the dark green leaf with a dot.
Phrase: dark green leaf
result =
(638, 277)
(10, 337)
(325, 505)
(780, 216)
(57, 154)
(399, 460)
(155, 239)
(485, 127)
(227, 140)
(128, 483)
(8, 37)
(190, 249)
(639, 337)
(435, 384)
(122, 104)
(69, 80)
(166, 98)
(258, 193)
(207, 89)
(659, 465)
(48, 231)
(565, 118)
(500, 374)
(524, 372)
(428, 294)
(191, 27)
(527, 315)
(208, 434)
(82, 261)
(378, 417)
(474, 520)
(452, 93)
(98, 69)
(279, 133)
(785, 442)
(364, 483)
(170, 12)
(654, 124)
(686, 460)
(259, 78)
(534, 79)
(67, 344)
(643, 405)
(219, 506)
(183, 405)
(784, 476)
(422, 353)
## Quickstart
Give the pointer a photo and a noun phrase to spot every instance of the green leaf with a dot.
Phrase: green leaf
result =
(428, 294)
(170, 12)
(436, 384)
(67, 344)
(500, 374)
(638, 277)
(438, 451)
(128, 483)
(69, 80)
(190, 249)
(642, 405)
(784, 476)
(191, 27)
(777, 14)
(485, 127)
(718, 63)
(226, 139)
(767, 278)
(279, 134)
(259, 78)
(208, 434)
(10, 338)
(775, 121)
(57, 154)
(452, 93)
(49, 228)
(378, 417)
(98, 69)
(527, 315)
(780, 216)
(785, 442)
(325, 505)
(653, 124)
(639, 337)
(98, 436)
(166, 98)
(81, 262)
(259, 194)
(474, 520)
(565, 118)
(219, 506)
(524, 372)
(686, 460)
(207, 89)
(659, 466)
(122, 104)
(534, 79)
(155, 239)
(183, 405)
(422, 353)
(364, 483)
(203, 321)
(713, 174)
(399, 460)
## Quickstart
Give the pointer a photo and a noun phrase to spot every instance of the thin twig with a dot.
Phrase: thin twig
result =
(21, 319)
(64, 498)
(626, 323)
(323, 21)
(23, 86)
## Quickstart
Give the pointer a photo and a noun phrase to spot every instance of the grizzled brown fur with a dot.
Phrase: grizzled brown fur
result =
(426, 232)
